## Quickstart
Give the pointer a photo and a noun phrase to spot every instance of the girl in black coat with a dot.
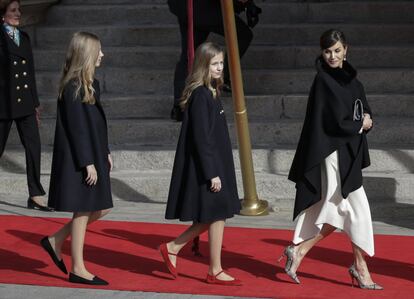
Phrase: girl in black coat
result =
(327, 166)
(203, 185)
(80, 181)
(19, 102)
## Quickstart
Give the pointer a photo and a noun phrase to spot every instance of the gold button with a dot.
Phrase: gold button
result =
(19, 100)
(15, 62)
(24, 74)
(16, 76)
(18, 87)
(24, 61)
(26, 86)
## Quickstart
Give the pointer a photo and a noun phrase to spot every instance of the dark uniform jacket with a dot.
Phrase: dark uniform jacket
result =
(205, 12)
(329, 127)
(203, 152)
(81, 139)
(18, 93)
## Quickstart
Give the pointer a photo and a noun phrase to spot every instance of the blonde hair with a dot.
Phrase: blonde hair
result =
(80, 64)
(200, 74)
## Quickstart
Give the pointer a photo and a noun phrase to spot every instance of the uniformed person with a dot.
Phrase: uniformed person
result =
(208, 18)
(18, 96)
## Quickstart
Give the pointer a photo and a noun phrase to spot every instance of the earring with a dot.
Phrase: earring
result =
(344, 58)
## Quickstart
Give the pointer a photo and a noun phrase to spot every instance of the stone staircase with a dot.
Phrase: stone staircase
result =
(140, 41)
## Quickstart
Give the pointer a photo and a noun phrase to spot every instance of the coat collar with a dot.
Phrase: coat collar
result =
(22, 51)
(343, 75)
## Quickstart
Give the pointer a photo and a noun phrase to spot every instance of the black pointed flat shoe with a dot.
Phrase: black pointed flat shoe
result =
(31, 204)
(95, 281)
(48, 247)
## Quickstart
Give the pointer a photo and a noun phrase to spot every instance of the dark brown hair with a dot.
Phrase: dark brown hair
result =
(4, 4)
(331, 37)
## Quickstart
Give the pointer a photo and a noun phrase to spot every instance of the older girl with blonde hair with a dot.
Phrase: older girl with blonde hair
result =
(80, 181)
(203, 185)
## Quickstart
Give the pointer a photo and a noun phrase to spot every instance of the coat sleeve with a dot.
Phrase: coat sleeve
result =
(335, 116)
(77, 127)
(202, 121)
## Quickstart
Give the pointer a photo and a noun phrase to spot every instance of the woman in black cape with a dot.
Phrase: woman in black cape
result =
(327, 166)
(203, 185)
(80, 181)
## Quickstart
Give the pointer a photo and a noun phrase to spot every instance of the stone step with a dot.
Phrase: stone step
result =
(168, 35)
(118, 2)
(261, 2)
(257, 57)
(144, 13)
(138, 81)
(389, 159)
(155, 132)
(259, 107)
(153, 186)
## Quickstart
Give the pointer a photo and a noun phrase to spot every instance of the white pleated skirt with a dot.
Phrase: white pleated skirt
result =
(351, 214)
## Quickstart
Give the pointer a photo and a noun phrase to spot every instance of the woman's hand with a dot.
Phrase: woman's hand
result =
(91, 175)
(367, 123)
(37, 114)
(111, 162)
(215, 184)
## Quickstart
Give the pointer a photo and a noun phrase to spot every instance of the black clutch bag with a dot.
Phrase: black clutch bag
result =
(358, 110)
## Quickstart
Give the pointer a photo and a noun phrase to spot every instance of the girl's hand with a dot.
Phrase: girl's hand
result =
(215, 184)
(91, 175)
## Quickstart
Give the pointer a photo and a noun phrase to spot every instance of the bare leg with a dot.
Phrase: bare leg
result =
(79, 224)
(190, 233)
(56, 240)
(215, 235)
(303, 248)
(361, 265)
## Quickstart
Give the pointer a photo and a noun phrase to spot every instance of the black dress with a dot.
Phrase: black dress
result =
(203, 152)
(329, 127)
(81, 139)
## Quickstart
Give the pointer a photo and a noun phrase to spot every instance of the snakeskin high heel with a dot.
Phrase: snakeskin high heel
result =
(289, 254)
(355, 275)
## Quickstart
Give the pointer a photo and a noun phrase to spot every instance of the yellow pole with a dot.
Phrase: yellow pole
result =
(251, 204)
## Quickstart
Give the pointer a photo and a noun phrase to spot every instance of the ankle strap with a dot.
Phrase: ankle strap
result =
(222, 271)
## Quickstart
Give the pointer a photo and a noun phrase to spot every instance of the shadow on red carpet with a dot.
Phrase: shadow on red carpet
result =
(125, 254)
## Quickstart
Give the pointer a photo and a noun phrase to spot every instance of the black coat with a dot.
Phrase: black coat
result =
(205, 12)
(203, 152)
(329, 127)
(18, 93)
(81, 139)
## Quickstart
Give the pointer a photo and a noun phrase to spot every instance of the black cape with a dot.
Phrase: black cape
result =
(203, 152)
(329, 127)
(81, 139)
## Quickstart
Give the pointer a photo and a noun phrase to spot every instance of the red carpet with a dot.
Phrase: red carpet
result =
(125, 254)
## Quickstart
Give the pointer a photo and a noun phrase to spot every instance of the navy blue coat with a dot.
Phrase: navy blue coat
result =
(81, 139)
(203, 152)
